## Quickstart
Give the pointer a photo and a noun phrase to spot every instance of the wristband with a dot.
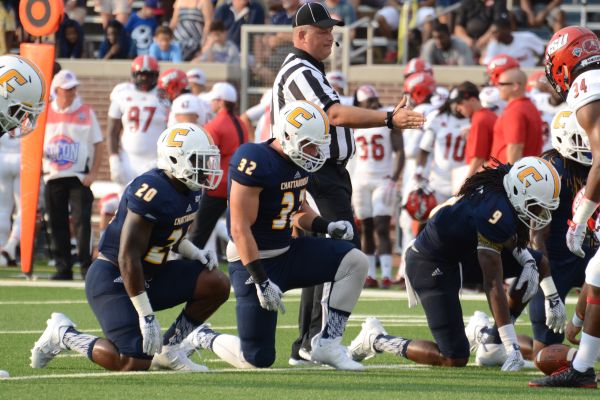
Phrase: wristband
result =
(584, 211)
(509, 337)
(576, 321)
(142, 304)
(319, 225)
(389, 120)
(256, 270)
(548, 287)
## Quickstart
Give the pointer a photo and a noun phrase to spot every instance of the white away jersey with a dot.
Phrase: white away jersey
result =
(144, 117)
(584, 90)
(374, 151)
(444, 138)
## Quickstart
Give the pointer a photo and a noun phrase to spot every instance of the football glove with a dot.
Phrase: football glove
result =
(529, 274)
(340, 230)
(117, 173)
(556, 315)
(270, 296)
(575, 237)
(514, 360)
(151, 334)
(189, 250)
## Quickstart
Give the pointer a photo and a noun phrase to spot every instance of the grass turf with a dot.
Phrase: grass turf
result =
(24, 310)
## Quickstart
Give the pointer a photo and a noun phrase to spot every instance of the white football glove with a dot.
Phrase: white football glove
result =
(575, 237)
(151, 334)
(529, 274)
(189, 250)
(340, 230)
(556, 315)
(514, 360)
(117, 173)
(270, 296)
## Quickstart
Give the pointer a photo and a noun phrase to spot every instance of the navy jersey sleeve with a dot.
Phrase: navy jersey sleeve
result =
(148, 196)
(495, 220)
(249, 165)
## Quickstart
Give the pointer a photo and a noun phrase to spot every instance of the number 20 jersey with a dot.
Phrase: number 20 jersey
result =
(153, 196)
(283, 186)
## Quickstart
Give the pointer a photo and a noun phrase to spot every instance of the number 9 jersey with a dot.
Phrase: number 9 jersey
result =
(283, 186)
(152, 196)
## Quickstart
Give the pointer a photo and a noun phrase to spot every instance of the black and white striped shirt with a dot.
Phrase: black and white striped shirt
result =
(302, 77)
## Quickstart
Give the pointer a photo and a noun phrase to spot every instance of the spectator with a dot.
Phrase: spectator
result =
(236, 13)
(164, 48)
(342, 10)
(228, 132)
(190, 24)
(8, 26)
(540, 13)
(481, 132)
(119, 9)
(526, 47)
(69, 40)
(217, 48)
(474, 21)
(142, 25)
(196, 81)
(518, 130)
(116, 44)
(443, 49)
(76, 10)
(72, 158)
(337, 79)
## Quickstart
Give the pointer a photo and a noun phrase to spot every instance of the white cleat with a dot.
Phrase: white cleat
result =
(473, 330)
(331, 352)
(361, 347)
(50, 343)
(175, 358)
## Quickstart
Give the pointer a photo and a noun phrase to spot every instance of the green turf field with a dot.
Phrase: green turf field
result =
(24, 310)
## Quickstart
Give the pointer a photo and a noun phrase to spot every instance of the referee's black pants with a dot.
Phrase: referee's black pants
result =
(331, 189)
(209, 212)
(59, 194)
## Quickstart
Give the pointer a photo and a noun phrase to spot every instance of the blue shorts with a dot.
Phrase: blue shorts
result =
(308, 262)
(174, 284)
(566, 274)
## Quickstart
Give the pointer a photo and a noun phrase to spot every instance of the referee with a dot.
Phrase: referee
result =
(302, 77)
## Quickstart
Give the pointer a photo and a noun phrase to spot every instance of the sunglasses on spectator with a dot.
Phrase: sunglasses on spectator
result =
(505, 83)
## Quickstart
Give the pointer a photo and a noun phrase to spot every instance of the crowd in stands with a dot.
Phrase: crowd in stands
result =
(209, 30)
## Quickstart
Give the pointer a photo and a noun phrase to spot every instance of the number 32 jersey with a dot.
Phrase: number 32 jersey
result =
(283, 186)
(144, 117)
(152, 196)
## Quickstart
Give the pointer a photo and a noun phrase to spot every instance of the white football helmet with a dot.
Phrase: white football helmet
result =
(22, 90)
(188, 153)
(533, 188)
(300, 124)
(569, 139)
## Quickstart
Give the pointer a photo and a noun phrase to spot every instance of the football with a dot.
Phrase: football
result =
(554, 357)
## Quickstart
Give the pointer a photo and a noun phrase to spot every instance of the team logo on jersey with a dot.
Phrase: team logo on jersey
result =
(62, 152)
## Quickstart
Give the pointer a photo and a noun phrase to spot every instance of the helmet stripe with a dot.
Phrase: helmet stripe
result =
(554, 176)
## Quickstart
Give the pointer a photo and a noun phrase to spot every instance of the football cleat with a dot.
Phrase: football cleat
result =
(475, 329)
(370, 283)
(50, 343)
(331, 352)
(386, 283)
(361, 347)
(298, 362)
(175, 358)
(568, 377)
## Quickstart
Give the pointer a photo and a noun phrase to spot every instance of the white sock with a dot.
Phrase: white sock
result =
(372, 272)
(589, 350)
(229, 349)
(386, 265)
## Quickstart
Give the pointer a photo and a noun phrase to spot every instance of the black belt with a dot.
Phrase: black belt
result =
(337, 163)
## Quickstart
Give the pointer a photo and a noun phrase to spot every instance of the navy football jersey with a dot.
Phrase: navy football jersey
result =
(556, 244)
(153, 196)
(452, 233)
(283, 186)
